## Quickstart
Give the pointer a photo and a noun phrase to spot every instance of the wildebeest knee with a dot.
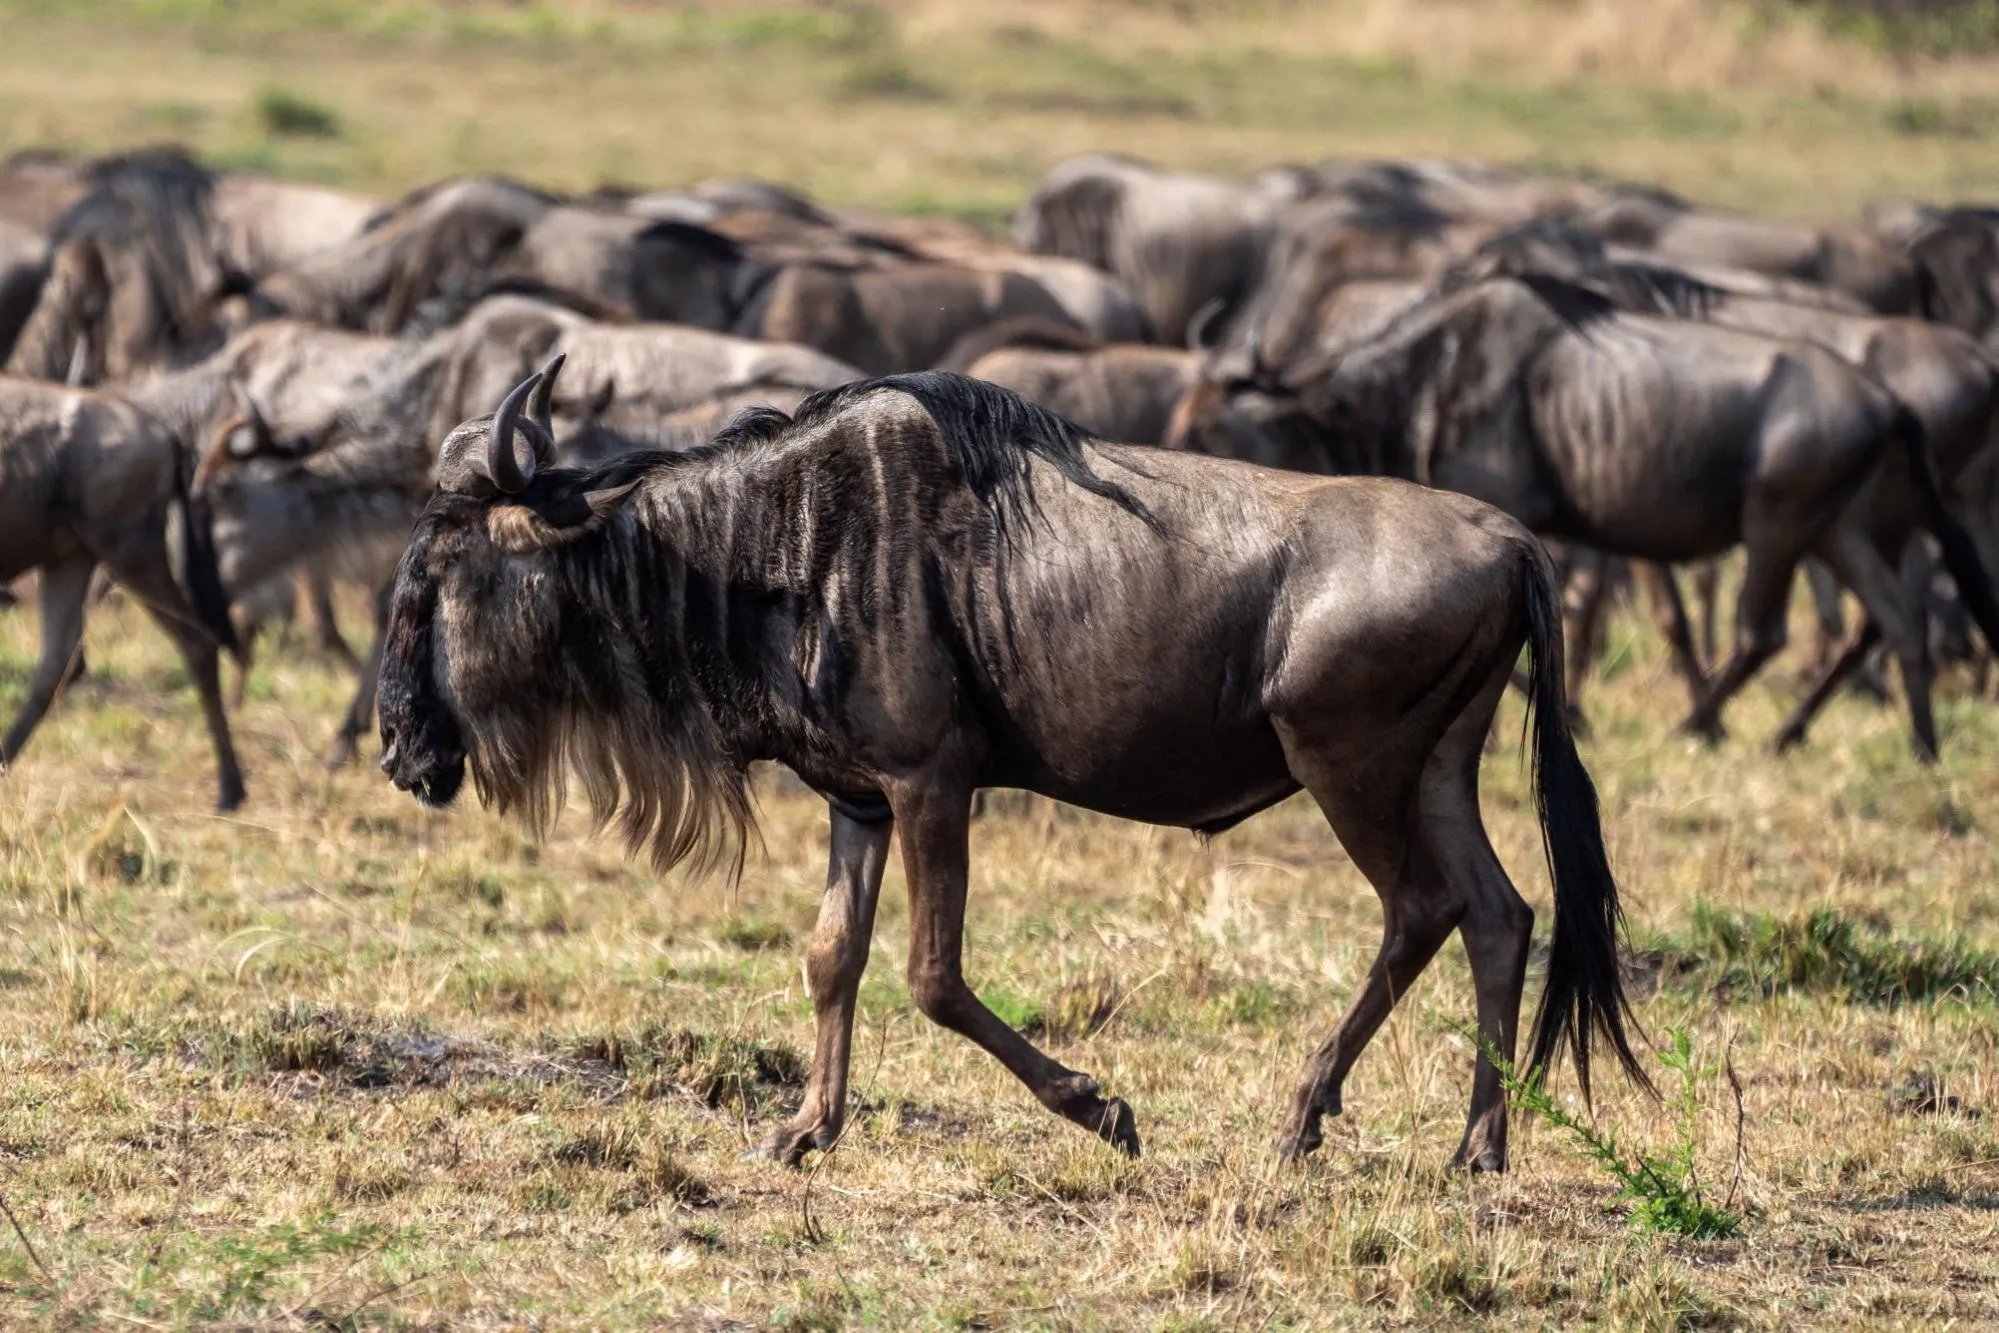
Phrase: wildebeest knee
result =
(938, 993)
(830, 965)
(1762, 640)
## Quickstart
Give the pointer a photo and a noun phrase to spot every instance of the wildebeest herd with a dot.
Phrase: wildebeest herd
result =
(840, 491)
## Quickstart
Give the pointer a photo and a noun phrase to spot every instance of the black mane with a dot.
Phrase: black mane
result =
(1577, 306)
(991, 431)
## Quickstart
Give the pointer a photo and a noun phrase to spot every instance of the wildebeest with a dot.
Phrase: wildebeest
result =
(141, 264)
(1852, 260)
(1116, 391)
(96, 480)
(1663, 440)
(904, 317)
(1938, 373)
(875, 593)
(1177, 240)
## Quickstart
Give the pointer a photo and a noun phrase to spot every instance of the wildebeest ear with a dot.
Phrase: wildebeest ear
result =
(710, 244)
(604, 503)
(554, 520)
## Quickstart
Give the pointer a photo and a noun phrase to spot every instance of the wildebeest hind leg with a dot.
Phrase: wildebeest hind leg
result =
(1496, 927)
(833, 967)
(1376, 821)
(934, 820)
(1858, 646)
(65, 590)
(1759, 634)
(204, 668)
(1892, 609)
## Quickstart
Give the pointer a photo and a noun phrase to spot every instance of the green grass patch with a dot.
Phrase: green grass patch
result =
(283, 113)
(1827, 951)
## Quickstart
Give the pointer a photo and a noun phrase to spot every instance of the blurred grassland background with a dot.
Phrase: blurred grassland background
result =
(955, 105)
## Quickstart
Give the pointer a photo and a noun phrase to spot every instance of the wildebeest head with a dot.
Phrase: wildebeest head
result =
(1248, 415)
(423, 746)
(514, 647)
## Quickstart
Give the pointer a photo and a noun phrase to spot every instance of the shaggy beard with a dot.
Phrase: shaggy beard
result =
(669, 790)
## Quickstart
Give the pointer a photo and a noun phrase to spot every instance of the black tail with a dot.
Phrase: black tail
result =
(195, 569)
(1960, 553)
(1585, 991)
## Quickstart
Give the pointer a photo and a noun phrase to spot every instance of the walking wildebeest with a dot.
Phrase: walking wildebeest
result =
(1940, 374)
(1663, 440)
(94, 479)
(924, 585)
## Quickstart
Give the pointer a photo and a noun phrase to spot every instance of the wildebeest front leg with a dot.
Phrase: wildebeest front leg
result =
(1669, 614)
(833, 967)
(934, 856)
(361, 711)
(65, 591)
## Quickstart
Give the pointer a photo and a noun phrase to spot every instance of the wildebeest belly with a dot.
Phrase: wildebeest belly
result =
(1159, 768)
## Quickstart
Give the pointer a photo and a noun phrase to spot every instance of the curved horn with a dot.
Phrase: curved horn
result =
(541, 404)
(1197, 327)
(501, 465)
(79, 363)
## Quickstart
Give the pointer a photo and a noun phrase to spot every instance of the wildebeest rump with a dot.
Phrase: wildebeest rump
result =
(883, 594)
(1116, 391)
(91, 480)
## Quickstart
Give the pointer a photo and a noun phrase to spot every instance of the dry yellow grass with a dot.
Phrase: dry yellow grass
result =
(338, 1060)
(340, 1055)
(945, 104)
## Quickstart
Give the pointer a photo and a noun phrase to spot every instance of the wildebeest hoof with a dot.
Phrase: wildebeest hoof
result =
(1485, 1161)
(1787, 740)
(1119, 1127)
(230, 799)
(1297, 1147)
(339, 754)
(1710, 733)
(788, 1145)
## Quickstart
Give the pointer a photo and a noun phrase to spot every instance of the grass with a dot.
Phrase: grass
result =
(342, 1059)
(338, 1060)
(946, 106)
(1663, 1188)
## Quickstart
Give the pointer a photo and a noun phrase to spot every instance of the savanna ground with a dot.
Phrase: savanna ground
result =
(341, 1061)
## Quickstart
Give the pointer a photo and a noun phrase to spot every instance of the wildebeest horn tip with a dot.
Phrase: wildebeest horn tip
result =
(501, 464)
(541, 407)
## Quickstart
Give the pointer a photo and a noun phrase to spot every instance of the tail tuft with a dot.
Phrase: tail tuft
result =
(1585, 991)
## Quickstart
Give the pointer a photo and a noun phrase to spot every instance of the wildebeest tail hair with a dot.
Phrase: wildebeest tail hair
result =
(1584, 992)
(196, 570)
